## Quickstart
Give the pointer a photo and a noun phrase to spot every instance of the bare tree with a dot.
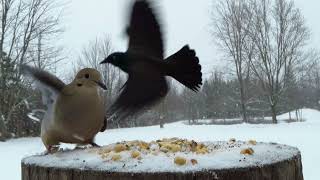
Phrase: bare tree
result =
(279, 34)
(27, 26)
(230, 30)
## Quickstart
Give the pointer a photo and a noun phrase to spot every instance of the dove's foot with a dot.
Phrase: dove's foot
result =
(89, 145)
(93, 144)
(52, 149)
(82, 146)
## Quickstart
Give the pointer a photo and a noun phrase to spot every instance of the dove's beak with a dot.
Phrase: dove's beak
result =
(102, 85)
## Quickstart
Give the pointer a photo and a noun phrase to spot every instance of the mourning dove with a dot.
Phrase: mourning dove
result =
(75, 112)
(146, 67)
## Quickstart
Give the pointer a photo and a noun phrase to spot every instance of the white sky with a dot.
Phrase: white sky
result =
(184, 22)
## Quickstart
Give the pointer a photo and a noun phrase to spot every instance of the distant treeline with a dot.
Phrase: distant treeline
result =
(219, 98)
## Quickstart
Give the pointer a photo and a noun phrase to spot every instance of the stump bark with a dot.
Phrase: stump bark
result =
(286, 169)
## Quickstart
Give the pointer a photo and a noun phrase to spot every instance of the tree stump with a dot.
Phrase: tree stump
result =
(224, 161)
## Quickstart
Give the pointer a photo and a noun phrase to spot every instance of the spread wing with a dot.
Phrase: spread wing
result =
(48, 84)
(140, 91)
(144, 31)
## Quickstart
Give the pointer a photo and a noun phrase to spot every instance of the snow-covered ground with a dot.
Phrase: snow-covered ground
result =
(303, 135)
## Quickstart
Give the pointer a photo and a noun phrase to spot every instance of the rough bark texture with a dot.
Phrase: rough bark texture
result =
(274, 114)
(4, 134)
(290, 169)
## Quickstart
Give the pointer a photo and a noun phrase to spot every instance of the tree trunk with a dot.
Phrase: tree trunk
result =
(243, 104)
(4, 134)
(161, 122)
(244, 113)
(289, 168)
(290, 115)
(274, 114)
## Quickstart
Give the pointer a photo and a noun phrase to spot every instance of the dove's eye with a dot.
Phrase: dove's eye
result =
(86, 76)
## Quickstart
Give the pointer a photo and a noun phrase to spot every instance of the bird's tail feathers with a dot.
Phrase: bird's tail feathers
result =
(184, 67)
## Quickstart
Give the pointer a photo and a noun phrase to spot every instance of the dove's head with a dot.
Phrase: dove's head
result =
(90, 77)
(117, 59)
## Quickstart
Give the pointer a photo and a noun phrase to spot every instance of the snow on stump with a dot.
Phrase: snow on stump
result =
(169, 159)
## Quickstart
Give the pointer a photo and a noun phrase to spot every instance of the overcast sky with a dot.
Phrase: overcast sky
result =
(184, 22)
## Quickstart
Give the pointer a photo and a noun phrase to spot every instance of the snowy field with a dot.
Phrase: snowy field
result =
(303, 135)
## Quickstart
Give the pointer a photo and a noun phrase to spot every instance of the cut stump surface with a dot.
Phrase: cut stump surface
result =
(168, 160)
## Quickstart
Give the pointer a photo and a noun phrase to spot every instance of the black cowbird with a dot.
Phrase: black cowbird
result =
(146, 67)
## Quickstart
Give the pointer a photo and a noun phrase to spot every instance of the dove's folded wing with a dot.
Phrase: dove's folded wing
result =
(49, 85)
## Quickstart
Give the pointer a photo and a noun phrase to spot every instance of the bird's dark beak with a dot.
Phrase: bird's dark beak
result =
(106, 60)
(102, 85)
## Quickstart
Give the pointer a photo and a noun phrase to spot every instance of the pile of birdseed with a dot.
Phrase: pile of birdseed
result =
(180, 151)
(139, 149)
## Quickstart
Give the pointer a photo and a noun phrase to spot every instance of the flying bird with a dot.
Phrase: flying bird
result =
(75, 112)
(145, 64)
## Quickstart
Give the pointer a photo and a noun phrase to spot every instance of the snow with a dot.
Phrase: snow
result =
(33, 117)
(303, 135)
(310, 114)
(222, 155)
